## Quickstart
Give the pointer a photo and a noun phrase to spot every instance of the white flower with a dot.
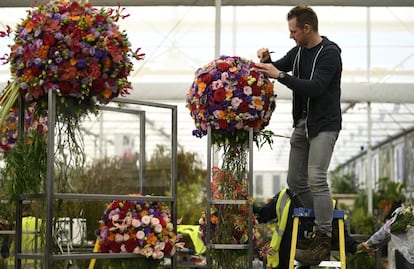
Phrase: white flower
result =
(119, 238)
(157, 255)
(136, 223)
(147, 251)
(115, 217)
(137, 250)
(155, 221)
(146, 220)
(126, 237)
(158, 228)
(140, 235)
(159, 246)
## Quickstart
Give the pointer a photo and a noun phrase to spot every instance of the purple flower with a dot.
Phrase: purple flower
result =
(81, 64)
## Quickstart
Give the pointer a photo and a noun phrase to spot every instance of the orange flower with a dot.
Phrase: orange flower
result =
(152, 239)
(214, 219)
(29, 26)
(107, 93)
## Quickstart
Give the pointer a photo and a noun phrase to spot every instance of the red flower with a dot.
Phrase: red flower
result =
(223, 66)
(243, 107)
(242, 82)
(219, 95)
(114, 246)
(100, 19)
(206, 78)
(223, 124)
(65, 86)
(75, 9)
(98, 85)
(131, 244)
(49, 39)
(256, 90)
(252, 123)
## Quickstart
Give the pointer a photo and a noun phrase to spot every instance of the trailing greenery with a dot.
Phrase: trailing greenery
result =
(25, 166)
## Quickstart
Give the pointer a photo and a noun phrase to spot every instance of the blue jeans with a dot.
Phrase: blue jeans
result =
(307, 175)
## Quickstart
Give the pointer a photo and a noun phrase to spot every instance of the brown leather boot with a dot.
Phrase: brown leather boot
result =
(318, 250)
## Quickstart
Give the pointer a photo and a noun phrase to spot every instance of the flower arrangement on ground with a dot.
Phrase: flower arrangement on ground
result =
(140, 227)
(231, 97)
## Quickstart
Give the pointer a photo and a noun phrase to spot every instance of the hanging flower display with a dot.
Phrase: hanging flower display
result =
(71, 48)
(231, 97)
(77, 51)
(140, 227)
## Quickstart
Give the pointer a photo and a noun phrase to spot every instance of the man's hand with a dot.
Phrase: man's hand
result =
(263, 54)
(268, 69)
(364, 246)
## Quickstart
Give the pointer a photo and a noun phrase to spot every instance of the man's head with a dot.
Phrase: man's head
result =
(303, 25)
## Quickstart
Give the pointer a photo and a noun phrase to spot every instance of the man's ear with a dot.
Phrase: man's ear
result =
(307, 28)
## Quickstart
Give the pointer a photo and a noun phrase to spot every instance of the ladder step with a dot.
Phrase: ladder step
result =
(336, 264)
(330, 264)
(309, 213)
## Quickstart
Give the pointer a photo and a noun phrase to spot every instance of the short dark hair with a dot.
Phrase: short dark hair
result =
(304, 15)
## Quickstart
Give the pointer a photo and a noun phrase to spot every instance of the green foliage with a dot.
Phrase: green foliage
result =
(361, 261)
(388, 190)
(24, 171)
(343, 183)
(190, 181)
(361, 222)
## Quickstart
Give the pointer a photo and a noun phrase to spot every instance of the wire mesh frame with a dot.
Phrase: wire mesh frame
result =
(48, 257)
(210, 202)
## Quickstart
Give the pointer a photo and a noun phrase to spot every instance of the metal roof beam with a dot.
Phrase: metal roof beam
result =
(373, 3)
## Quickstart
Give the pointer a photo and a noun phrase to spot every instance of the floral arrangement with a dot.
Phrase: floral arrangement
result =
(8, 134)
(140, 227)
(403, 219)
(224, 215)
(400, 229)
(71, 48)
(229, 95)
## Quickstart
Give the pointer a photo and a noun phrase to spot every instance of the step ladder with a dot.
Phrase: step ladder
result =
(309, 213)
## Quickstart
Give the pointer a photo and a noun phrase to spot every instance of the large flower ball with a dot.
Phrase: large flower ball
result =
(74, 49)
(229, 95)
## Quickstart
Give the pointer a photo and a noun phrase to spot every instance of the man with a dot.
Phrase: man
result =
(315, 81)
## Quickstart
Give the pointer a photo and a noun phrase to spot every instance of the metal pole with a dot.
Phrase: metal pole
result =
(51, 118)
(250, 191)
(142, 153)
(209, 198)
(218, 29)
(174, 173)
(369, 159)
